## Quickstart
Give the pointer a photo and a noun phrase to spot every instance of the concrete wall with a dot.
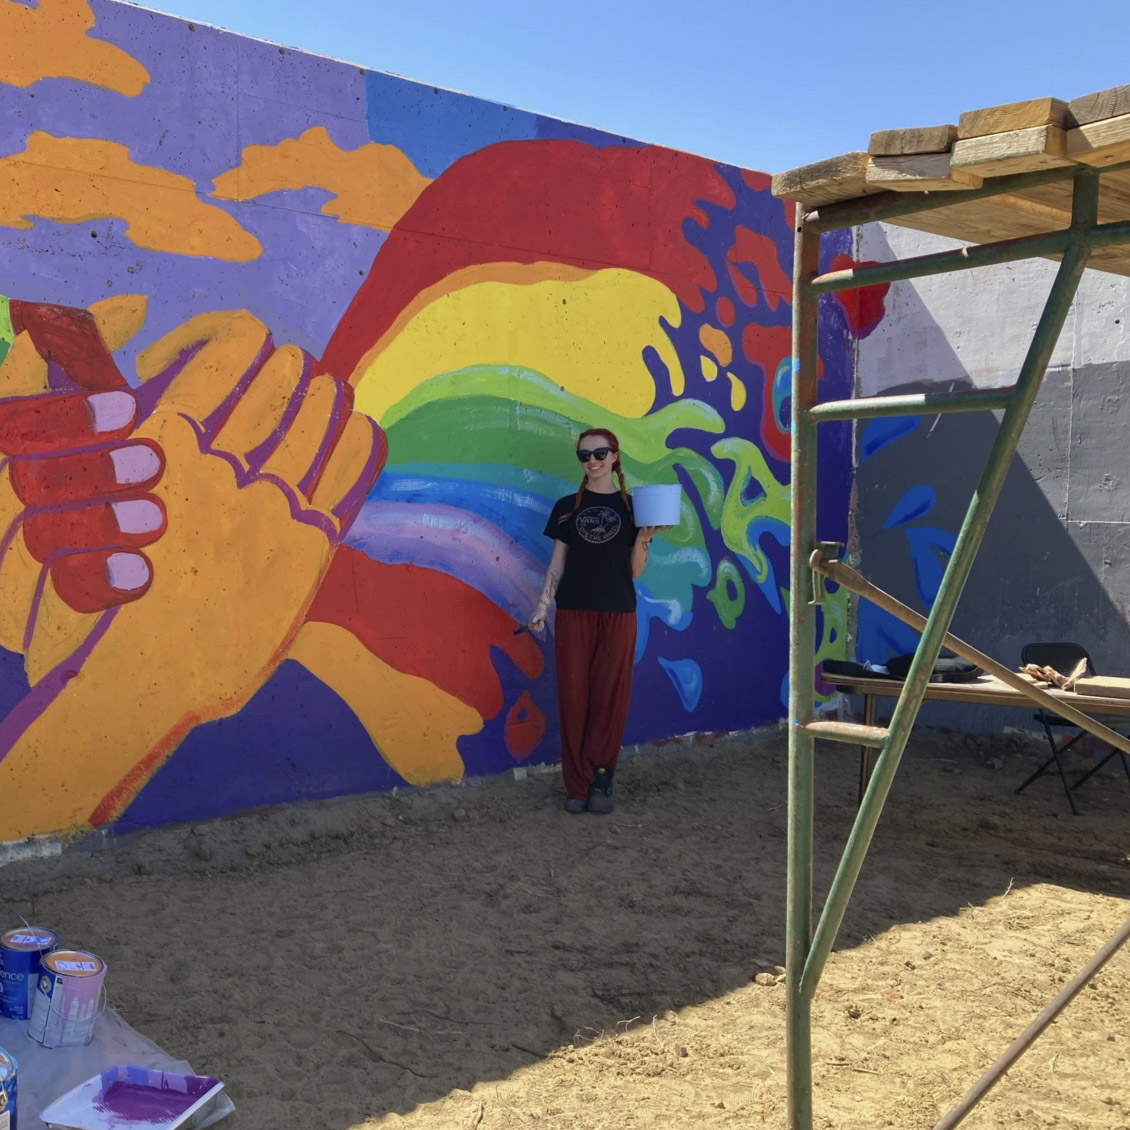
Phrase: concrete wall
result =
(293, 359)
(1055, 563)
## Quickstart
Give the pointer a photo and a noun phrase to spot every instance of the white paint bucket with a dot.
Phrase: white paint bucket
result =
(68, 999)
(657, 505)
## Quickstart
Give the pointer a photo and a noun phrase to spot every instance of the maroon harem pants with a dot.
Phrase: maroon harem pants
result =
(595, 652)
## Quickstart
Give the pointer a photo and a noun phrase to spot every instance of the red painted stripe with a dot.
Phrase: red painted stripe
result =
(425, 623)
(538, 201)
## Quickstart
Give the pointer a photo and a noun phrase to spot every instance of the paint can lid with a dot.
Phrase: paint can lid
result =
(29, 938)
(73, 963)
(7, 1066)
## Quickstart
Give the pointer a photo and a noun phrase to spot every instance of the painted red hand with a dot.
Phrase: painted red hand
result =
(74, 489)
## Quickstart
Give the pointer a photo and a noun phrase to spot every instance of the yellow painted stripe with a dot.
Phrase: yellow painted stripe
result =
(412, 722)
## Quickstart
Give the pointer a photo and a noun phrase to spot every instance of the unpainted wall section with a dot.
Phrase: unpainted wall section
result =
(294, 355)
(1055, 561)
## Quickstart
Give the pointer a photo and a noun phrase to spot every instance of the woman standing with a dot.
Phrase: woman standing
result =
(597, 553)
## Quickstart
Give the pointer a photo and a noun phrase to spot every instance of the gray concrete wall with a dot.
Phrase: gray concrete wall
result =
(1054, 564)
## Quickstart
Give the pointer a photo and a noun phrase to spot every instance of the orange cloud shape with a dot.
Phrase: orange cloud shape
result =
(373, 185)
(51, 41)
(74, 180)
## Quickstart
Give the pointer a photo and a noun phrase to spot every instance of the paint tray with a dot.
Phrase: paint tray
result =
(138, 1098)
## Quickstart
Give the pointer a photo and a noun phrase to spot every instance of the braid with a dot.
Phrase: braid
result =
(580, 495)
(623, 486)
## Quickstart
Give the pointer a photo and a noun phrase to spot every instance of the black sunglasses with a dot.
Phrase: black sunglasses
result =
(600, 454)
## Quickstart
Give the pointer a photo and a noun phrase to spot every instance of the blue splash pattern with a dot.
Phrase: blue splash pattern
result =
(883, 432)
(686, 677)
(916, 503)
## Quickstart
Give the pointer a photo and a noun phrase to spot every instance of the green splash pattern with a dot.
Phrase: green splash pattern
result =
(728, 593)
(513, 427)
(7, 334)
(521, 418)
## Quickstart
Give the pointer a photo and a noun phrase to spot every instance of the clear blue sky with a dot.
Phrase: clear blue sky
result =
(765, 86)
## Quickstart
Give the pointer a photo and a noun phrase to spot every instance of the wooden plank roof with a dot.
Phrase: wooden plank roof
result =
(996, 141)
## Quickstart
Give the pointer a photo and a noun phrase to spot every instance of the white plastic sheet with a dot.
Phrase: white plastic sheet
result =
(47, 1073)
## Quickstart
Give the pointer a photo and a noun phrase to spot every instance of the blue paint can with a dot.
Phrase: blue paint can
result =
(21, 952)
(7, 1091)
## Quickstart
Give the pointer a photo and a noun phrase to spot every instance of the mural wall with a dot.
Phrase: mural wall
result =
(293, 359)
(1053, 565)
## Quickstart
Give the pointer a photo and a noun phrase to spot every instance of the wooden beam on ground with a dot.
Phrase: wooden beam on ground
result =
(825, 182)
(1013, 116)
(1112, 103)
(920, 172)
(1105, 142)
(902, 142)
(1017, 151)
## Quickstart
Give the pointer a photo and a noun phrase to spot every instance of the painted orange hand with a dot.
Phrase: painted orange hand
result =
(265, 468)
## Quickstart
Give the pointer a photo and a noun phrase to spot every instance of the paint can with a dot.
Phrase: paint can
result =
(7, 1091)
(68, 999)
(20, 954)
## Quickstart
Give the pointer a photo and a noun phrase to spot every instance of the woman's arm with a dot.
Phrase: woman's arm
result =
(549, 589)
(639, 550)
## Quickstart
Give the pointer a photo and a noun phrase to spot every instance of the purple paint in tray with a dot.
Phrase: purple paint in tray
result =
(137, 1098)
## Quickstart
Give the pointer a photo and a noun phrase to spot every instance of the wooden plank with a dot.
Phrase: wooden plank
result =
(1107, 686)
(1110, 260)
(838, 178)
(986, 221)
(1013, 116)
(901, 142)
(1007, 217)
(920, 172)
(1018, 151)
(985, 690)
(1105, 142)
(1114, 197)
(1110, 103)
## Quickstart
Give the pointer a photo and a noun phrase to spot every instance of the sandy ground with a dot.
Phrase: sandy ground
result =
(471, 957)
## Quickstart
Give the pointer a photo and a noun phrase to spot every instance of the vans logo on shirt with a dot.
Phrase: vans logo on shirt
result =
(598, 524)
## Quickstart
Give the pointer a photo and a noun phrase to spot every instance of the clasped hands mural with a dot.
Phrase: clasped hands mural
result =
(261, 550)
(161, 547)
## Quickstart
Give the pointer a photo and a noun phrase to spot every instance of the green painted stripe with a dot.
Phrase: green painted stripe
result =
(7, 334)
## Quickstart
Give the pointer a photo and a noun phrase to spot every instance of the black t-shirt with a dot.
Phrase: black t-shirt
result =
(598, 566)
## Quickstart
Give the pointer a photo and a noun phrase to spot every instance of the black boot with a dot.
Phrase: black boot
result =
(600, 795)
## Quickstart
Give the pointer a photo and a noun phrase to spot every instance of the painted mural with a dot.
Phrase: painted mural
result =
(292, 355)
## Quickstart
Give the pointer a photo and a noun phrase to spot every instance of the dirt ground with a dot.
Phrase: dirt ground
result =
(472, 957)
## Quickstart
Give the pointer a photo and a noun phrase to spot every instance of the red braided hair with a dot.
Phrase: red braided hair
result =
(613, 443)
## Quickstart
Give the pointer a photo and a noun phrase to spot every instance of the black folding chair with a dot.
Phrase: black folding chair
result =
(1064, 657)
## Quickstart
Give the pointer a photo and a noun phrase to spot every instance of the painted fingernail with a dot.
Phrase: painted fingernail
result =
(112, 410)
(134, 464)
(127, 571)
(137, 516)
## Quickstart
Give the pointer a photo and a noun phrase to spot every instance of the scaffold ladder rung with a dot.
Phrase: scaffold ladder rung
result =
(854, 733)
(913, 404)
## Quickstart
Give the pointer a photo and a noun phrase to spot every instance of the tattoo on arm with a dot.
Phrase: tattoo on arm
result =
(552, 580)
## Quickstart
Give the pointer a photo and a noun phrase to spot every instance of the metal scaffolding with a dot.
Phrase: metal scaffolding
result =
(807, 945)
